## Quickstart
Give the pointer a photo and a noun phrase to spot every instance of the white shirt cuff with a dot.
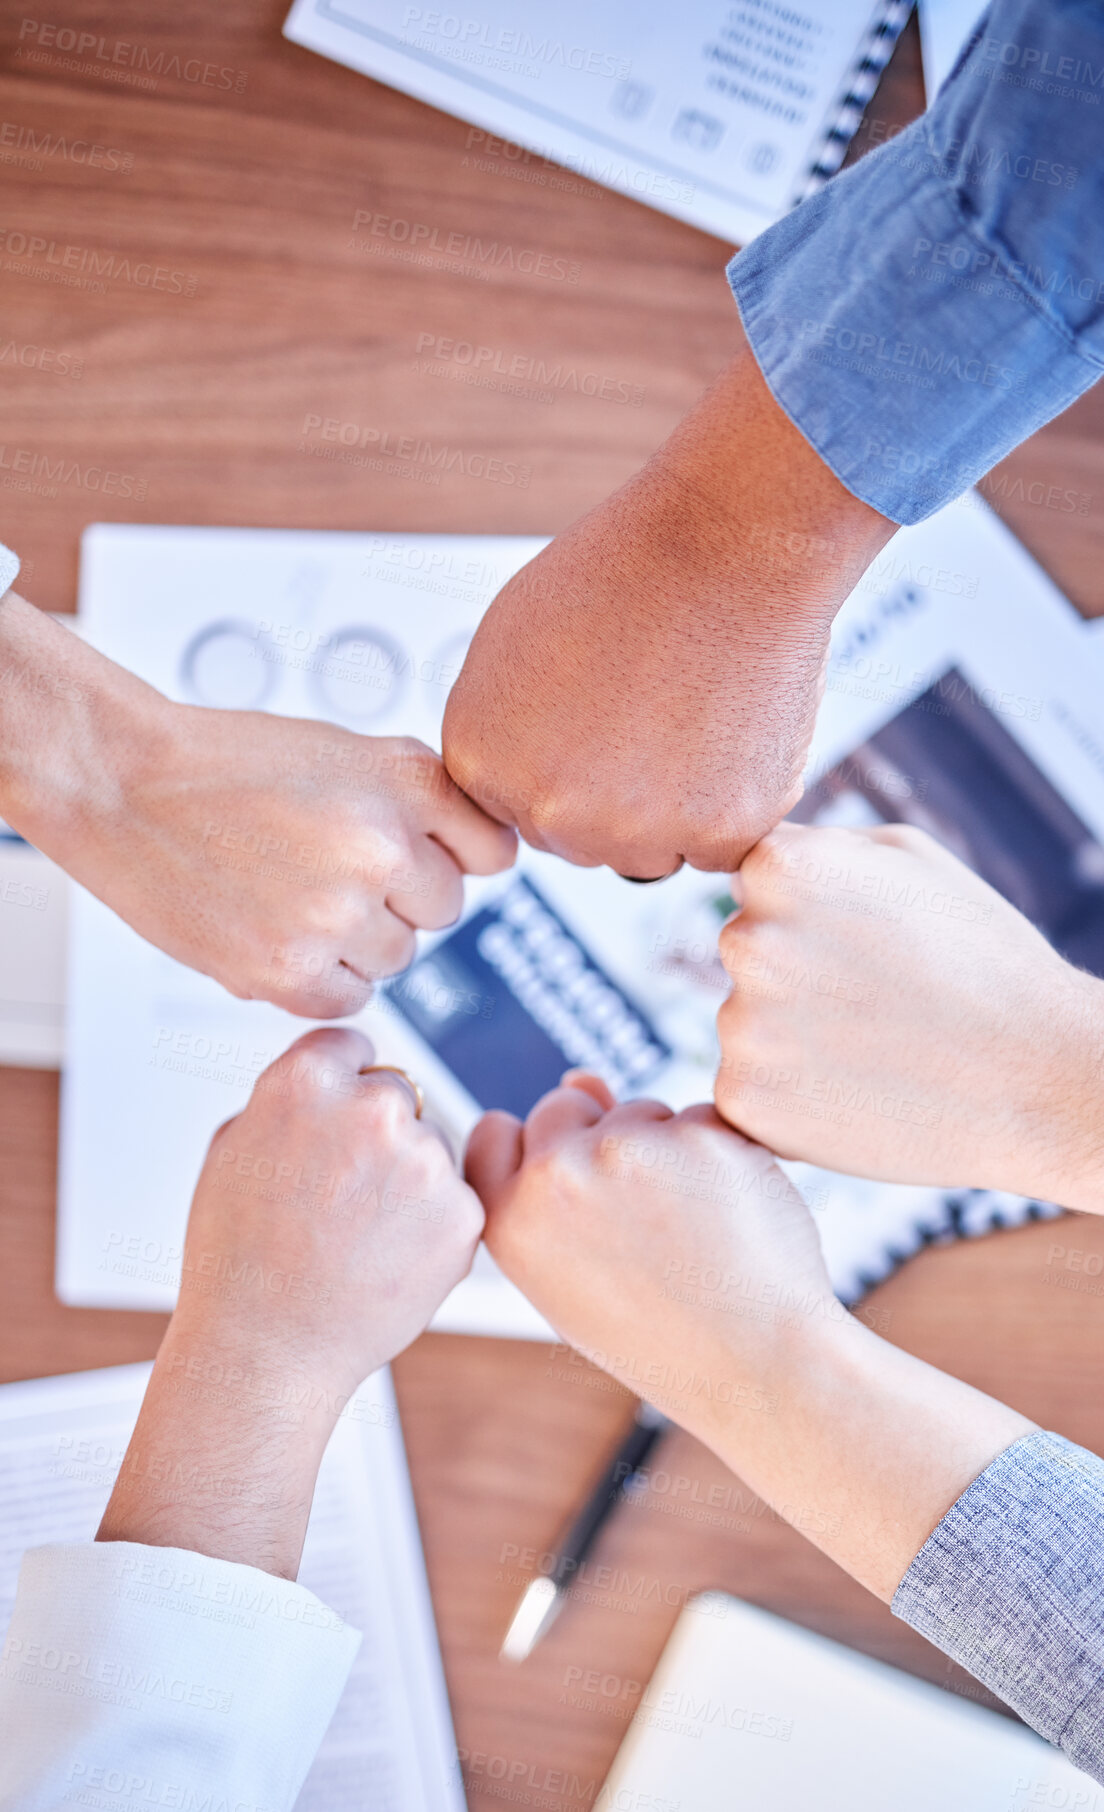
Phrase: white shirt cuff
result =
(196, 1673)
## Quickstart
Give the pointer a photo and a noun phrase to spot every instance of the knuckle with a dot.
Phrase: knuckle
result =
(428, 1160)
(717, 846)
(643, 1113)
(907, 837)
(444, 884)
(299, 1086)
(312, 1075)
(392, 858)
(548, 811)
(304, 1057)
(396, 950)
(547, 1171)
(386, 1105)
(325, 914)
(391, 946)
(424, 771)
(412, 752)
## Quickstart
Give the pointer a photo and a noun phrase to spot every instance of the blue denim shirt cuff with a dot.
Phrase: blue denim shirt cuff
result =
(907, 351)
(1011, 1584)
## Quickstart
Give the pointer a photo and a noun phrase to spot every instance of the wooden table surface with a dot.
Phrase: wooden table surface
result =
(193, 390)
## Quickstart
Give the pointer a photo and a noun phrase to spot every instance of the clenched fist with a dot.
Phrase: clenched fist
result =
(643, 692)
(892, 1016)
(292, 861)
(328, 1224)
(662, 1245)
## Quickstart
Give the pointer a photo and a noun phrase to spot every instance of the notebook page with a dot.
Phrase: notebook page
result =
(746, 1710)
(711, 112)
(390, 1745)
(61, 1443)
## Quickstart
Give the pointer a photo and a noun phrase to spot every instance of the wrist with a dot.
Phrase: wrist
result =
(251, 1369)
(72, 725)
(868, 1447)
(752, 1378)
(761, 498)
(225, 1455)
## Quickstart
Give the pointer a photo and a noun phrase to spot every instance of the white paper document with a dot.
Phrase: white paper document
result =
(390, 1744)
(945, 27)
(963, 696)
(34, 922)
(722, 115)
(34, 929)
(748, 1711)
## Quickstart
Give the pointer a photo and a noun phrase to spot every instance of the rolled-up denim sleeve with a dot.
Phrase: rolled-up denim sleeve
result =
(1011, 1585)
(931, 307)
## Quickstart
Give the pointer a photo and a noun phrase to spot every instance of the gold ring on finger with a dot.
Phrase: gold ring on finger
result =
(394, 1069)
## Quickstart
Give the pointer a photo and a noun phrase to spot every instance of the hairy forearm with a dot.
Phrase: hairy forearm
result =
(866, 1448)
(225, 1454)
(71, 722)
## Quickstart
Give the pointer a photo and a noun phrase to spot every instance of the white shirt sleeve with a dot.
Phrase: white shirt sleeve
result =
(163, 1677)
(9, 568)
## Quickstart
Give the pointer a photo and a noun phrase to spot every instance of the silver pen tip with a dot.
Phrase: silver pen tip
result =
(539, 1603)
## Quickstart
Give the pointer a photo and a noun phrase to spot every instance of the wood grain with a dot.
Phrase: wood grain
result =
(198, 401)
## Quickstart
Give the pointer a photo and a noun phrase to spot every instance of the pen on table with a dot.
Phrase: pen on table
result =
(544, 1596)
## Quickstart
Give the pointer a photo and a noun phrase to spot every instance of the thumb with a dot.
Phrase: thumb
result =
(493, 1157)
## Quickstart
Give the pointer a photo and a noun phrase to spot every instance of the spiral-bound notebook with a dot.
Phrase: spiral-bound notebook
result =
(722, 115)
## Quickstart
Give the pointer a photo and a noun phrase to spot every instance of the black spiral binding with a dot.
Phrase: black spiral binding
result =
(877, 48)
